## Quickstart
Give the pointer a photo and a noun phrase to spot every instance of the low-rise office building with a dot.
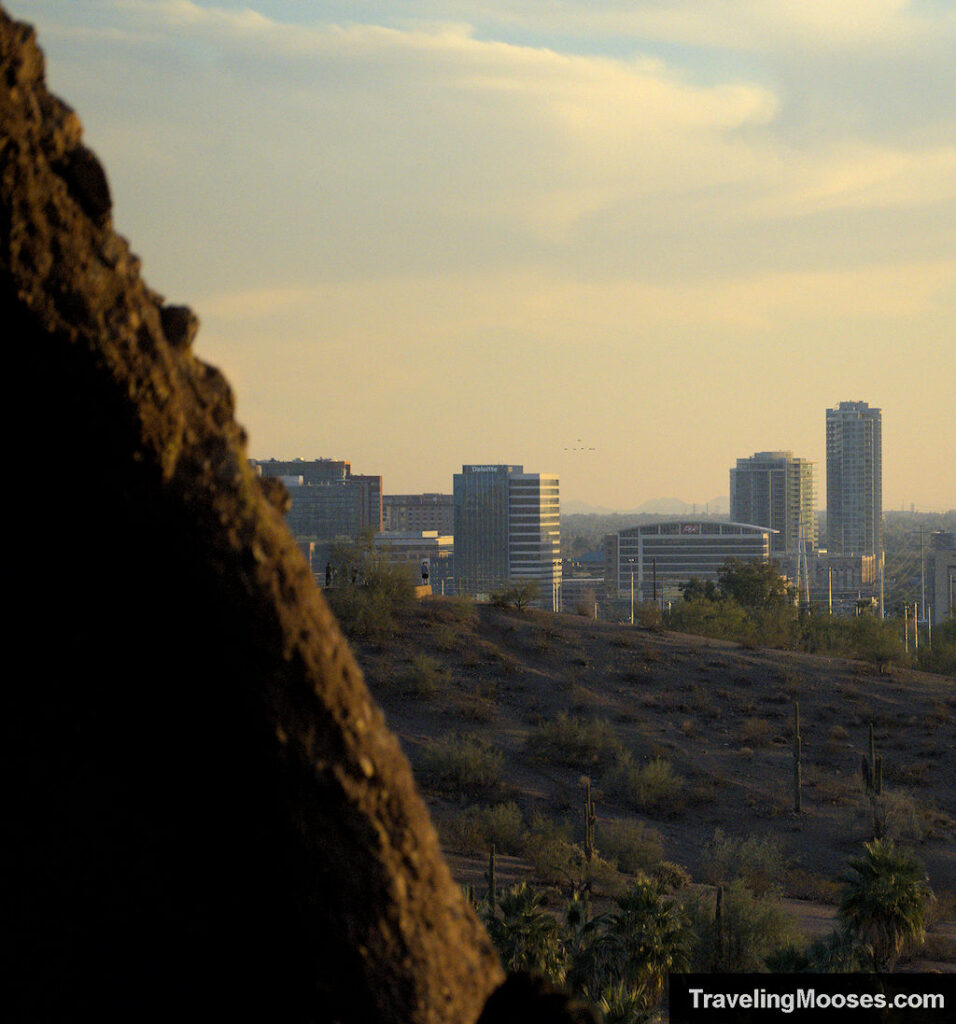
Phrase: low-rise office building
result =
(942, 565)
(330, 503)
(403, 512)
(658, 557)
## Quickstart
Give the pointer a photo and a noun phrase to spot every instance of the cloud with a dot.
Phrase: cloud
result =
(502, 195)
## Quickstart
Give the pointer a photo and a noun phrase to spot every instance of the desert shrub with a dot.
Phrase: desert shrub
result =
(518, 595)
(703, 788)
(775, 627)
(575, 742)
(941, 657)
(756, 732)
(724, 619)
(651, 788)
(557, 860)
(753, 929)
(475, 829)
(561, 863)
(901, 818)
(876, 640)
(671, 877)
(631, 844)
(833, 789)
(425, 676)
(648, 614)
(757, 861)
(375, 606)
(584, 605)
(542, 828)
(472, 706)
(372, 598)
(460, 765)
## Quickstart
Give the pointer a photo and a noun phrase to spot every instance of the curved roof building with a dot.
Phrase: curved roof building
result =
(660, 556)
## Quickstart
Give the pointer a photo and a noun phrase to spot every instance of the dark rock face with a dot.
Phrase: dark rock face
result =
(209, 816)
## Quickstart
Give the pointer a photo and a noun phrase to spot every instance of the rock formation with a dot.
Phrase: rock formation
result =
(209, 815)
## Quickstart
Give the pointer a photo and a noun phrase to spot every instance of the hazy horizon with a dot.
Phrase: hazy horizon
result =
(624, 243)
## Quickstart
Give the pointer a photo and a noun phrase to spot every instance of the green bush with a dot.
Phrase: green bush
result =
(559, 861)
(753, 930)
(461, 765)
(756, 861)
(631, 844)
(518, 595)
(724, 619)
(575, 742)
(475, 829)
(648, 615)
(380, 599)
(426, 676)
(756, 732)
(941, 657)
(652, 788)
(671, 877)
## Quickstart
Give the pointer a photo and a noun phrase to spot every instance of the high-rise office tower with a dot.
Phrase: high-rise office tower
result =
(854, 480)
(775, 490)
(507, 528)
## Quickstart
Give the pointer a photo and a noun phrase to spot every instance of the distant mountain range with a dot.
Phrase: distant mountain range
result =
(656, 506)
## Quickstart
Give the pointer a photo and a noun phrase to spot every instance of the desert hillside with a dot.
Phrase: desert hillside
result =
(503, 713)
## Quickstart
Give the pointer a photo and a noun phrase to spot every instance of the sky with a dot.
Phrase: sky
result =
(626, 242)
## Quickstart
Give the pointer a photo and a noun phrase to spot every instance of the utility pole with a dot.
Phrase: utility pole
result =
(922, 575)
(882, 581)
(803, 566)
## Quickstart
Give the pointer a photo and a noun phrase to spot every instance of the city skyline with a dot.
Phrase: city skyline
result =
(625, 245)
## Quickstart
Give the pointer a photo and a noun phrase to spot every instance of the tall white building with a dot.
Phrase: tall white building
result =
(775, 490)
(507, 529)
(534, 533)
(854, 480)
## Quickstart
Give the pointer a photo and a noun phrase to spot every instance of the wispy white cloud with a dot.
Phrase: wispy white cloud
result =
(494, 189)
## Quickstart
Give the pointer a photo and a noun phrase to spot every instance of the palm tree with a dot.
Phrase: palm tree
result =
(651, 936)
(621, 1003)
(526, 934)
(885, 901)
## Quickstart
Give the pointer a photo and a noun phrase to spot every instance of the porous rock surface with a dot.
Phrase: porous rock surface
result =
(209, 816)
